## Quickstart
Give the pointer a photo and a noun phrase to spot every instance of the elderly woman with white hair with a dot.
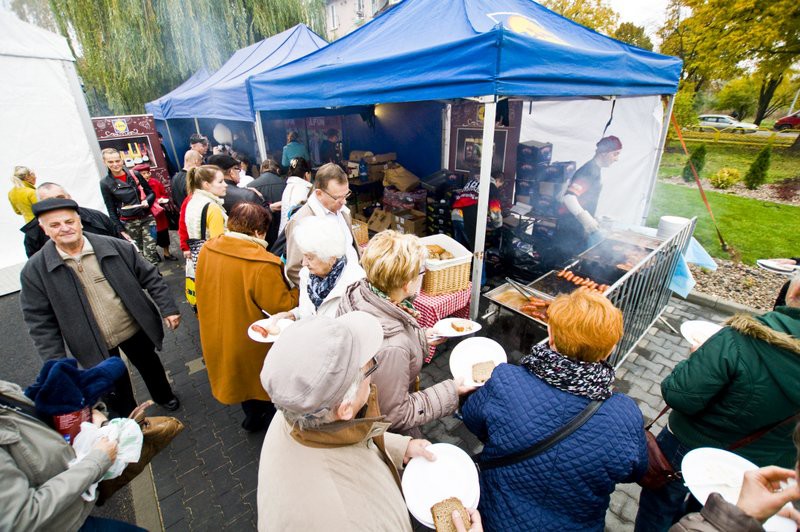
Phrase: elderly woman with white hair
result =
(326, 272)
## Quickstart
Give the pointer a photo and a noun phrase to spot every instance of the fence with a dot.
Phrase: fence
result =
(642, 293)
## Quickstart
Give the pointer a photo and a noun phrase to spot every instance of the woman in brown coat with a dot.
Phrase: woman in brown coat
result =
(237, 278)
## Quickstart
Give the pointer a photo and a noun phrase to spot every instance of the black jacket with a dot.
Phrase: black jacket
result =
(117, 194)
(56, 310)
(178, 184)
(234, 195)
(270, 185)
(93, 221)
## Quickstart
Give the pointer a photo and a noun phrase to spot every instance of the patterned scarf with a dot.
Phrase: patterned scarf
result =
(587, 379)
(320, 287)
(405, 305)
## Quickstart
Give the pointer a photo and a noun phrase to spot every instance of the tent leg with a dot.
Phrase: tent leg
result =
(197, 126)
(487, 151)
(659, 153)
(446, 121)
(172, 143)
(262, 145)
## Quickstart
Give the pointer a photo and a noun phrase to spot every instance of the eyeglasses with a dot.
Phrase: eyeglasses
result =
(372, 368)
(334, 198)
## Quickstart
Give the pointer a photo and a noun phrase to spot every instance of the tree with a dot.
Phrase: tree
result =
(132, 52)
(739, 95)
(683, 108)
(757, 173)
(718, 38)
(632, 34)
(696, 159)
(595, 14)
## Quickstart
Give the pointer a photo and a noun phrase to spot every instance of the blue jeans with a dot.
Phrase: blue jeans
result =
(660, 509)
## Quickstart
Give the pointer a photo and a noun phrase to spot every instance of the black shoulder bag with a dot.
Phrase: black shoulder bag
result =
(542, 446)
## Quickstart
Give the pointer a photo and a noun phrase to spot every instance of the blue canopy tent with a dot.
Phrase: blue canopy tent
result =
(484, 50)
(155, 107)
(223, 95)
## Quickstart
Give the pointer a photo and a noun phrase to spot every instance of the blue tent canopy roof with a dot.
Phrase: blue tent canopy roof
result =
(155, 107)
(223, 95)
(442, 49)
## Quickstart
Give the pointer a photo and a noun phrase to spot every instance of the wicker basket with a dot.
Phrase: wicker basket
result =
(451, 275)
(361, 232)
(450, 279)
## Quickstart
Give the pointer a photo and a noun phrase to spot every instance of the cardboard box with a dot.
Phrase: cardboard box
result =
(410, 221)
(357, 155)
(381, 158)
(380, 221)
(375, 171)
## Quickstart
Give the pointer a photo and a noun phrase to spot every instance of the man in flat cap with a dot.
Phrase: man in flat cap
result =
(327, 462)
(577, 223)
(87, 291)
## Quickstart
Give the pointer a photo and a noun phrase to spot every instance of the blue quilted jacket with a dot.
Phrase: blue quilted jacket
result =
(569, 486)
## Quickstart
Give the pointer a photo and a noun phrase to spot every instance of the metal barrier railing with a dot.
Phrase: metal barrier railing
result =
(642, 294)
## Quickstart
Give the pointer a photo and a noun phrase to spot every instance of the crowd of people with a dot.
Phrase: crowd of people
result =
(338, 392)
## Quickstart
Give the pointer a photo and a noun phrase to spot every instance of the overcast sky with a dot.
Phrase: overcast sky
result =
(646, 13)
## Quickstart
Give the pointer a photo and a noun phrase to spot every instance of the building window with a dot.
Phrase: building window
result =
(333, 21)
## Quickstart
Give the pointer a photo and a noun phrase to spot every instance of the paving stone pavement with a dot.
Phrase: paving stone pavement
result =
(206, 479)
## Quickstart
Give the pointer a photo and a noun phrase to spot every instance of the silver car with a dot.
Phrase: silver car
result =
(726, 124)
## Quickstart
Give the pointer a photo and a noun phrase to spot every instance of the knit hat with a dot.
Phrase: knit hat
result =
(314, 361)
(62, 388)
(609, 144)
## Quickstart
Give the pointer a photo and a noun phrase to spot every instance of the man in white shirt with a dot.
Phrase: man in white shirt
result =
(328, 199)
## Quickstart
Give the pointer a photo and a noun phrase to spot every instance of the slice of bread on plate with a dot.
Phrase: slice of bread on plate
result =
(443, 514)
(482, 371)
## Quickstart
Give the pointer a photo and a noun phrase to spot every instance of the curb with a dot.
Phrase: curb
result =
(145, 501)
(720, 304)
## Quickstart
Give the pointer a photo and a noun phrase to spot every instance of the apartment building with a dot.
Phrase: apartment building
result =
(343, 16)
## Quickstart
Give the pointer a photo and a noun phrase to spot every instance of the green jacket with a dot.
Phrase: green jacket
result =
(744, 378)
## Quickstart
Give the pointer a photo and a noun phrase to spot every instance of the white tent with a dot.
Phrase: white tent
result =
(45, 126)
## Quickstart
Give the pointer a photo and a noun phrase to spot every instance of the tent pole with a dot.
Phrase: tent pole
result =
(172, 143)
(487, 151)
(446, 118)
(659, 152)
(196, 126)
(262, 145)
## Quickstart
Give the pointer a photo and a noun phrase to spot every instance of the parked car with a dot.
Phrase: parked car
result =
(788, 122)
(726, 124)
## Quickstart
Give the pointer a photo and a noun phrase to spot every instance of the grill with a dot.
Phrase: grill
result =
(637, 270)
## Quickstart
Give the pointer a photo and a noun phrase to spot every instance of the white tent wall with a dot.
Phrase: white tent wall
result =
(575, 126)
(45, 125)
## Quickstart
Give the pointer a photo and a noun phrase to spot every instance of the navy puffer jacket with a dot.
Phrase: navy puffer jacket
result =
(569, 486)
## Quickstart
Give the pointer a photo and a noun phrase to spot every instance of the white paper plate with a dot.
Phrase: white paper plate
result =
(696, 332)
(707, 470)
(270, 338)
(452, 474)
(445, 327)
(471, 351)
(776, 267)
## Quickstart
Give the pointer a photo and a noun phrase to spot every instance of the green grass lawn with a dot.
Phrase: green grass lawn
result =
(756, 229)
(783, 165)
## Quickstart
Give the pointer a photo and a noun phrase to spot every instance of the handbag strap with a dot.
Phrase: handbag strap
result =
(23, 409)
(747, 440)
(542, 446)
(203, 215)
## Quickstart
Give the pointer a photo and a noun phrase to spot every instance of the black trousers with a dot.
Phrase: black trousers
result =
(142, 354)
(258, 414)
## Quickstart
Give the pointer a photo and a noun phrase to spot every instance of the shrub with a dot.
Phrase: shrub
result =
(725, 178)
(698, 159)
(757, 173)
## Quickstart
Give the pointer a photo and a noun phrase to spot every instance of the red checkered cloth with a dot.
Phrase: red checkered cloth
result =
(435, 308)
